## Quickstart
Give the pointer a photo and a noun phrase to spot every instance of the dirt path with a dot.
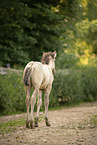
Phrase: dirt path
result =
(75, 125)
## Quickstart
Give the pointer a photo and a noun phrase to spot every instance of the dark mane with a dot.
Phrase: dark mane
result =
(46, 57)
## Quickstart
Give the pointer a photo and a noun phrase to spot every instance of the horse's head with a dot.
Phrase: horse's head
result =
(49, 58)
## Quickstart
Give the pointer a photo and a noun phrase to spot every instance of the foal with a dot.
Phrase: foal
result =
(40, 76)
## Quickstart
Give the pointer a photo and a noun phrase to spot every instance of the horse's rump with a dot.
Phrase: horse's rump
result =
(37, 74)
(27, 73)
(33, 74)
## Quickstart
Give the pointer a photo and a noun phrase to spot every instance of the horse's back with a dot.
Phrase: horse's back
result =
(48, 73)
(41, 75)
(37, 74)
(47, 77)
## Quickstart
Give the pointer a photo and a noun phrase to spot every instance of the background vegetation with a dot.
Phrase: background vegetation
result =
(29, 28)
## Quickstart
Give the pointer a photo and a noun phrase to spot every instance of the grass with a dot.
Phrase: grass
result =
(11, 126)
(93, 120)
(11, 113)
(66, 105)
(62, 106)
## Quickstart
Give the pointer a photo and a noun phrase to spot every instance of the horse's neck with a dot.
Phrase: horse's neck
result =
(51, 66)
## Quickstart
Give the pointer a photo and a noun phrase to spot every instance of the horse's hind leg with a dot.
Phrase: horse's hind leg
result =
(46, 103)
(33, 101)
(27, 101)
(39, 103)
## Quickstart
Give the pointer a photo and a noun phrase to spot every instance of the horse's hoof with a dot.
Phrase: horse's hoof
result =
(32, 125)
(47, 122)
(27, 124)
(36, 125)
(36, 122)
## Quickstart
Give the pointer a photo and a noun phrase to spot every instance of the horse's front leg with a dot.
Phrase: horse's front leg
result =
(33, 101)
(39, 103)
(27, 101)
(46, 103)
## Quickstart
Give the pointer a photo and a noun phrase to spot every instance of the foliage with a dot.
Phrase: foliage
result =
(80, 46)
(79, 38)
(22, 26)
(12, 93)
(92, 9)
(66, 60)
(74, 85)
(10, 126)
(87, 30)
(89, 79)
(69, 86)
(27, 28)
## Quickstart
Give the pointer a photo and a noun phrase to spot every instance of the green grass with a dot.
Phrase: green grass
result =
(65, 105)
(10, 126)
(12, 113)
(93, 120)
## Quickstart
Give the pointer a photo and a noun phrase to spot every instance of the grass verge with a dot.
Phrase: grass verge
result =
(11, 126)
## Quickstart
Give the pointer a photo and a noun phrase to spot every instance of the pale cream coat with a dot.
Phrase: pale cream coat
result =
(40, 76)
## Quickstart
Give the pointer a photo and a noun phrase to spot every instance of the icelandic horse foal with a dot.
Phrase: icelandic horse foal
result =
(40, 76)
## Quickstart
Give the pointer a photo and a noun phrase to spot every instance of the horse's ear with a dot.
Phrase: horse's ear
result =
(55, 53)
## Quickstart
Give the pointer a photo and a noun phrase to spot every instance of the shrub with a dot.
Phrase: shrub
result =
(69, 86)
(89, 79)
(74, 85)
(67, 60)
(12, 94)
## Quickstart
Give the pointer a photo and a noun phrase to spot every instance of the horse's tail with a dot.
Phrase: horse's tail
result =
(27, 74)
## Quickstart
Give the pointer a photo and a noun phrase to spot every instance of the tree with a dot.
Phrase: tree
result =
(27, 28)
(92, 9)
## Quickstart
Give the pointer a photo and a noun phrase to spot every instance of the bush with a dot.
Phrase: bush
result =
(89, 79)
(74, 85)
(69, 86)
(12, 93)
(67, 60)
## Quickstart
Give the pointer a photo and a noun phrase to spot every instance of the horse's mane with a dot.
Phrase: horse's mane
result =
(46, 57)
